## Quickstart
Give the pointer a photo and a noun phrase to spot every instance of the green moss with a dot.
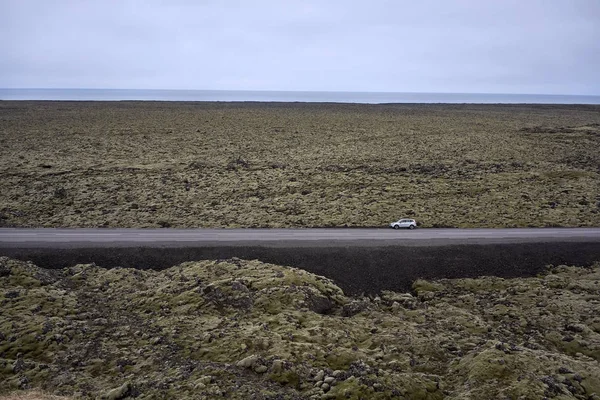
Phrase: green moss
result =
(341, 359)
(352, 389)
(567, 174)
(314, 177)
(420, 286)
(287, 378)
(436, 345)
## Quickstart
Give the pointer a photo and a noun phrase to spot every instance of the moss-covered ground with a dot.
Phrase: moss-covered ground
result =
(244, 329)
(151, 164)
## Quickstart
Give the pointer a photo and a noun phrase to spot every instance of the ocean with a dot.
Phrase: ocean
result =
(289, 96)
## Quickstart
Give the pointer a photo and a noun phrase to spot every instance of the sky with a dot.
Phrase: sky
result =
(441, 46)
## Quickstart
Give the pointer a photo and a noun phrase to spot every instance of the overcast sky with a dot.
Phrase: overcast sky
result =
(470, 46)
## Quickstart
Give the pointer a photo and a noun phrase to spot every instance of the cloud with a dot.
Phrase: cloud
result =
(436, 46)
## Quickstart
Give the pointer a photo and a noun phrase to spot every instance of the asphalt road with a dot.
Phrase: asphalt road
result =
(99, 237)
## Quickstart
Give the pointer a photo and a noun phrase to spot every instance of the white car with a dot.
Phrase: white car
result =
(404, 223)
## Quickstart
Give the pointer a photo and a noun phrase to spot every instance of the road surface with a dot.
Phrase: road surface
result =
(100, 237)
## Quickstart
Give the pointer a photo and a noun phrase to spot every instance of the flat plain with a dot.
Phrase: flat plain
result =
(175, 164)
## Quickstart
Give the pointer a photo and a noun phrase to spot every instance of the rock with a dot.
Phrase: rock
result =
(277, 366)
(319, 304)
(18, 365)
(575, 327)
(426, 296)
(329, 379)
(354, 307)
(260, 369)
(325, 387)
(23, 382)
(4, 269)
(432, 386)
(564, 370)
(337, 373)
(118, 393)
(205, 379)
(199, 386)
(237, 285)
(35, 308)
(320, 375)
(248, 362)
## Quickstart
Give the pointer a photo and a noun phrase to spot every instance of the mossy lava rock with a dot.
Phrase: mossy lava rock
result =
(244, 329)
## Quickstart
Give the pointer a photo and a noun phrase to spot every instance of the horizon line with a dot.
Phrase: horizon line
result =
(305, 91)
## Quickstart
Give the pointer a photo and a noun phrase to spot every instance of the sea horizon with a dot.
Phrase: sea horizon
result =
(24, 94)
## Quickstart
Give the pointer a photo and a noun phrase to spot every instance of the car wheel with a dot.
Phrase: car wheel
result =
(411, 227)
(396, 226)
